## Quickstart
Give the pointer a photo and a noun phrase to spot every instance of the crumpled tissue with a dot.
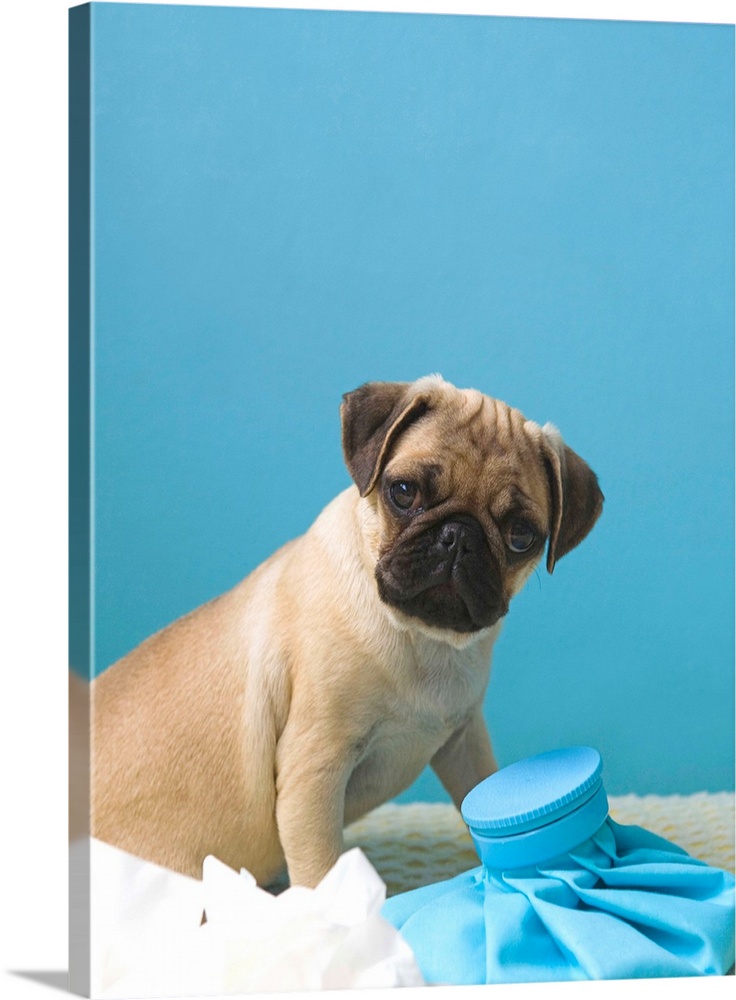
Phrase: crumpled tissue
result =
(148, 939)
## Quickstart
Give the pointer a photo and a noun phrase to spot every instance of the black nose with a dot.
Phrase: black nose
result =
(456, 538)
(450, 537)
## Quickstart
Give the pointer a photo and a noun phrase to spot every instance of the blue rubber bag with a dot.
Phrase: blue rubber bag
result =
(565, 892)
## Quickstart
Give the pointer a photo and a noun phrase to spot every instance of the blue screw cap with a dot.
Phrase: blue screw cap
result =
(537, 808)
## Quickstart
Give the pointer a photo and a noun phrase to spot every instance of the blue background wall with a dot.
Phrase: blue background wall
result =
(287, 204)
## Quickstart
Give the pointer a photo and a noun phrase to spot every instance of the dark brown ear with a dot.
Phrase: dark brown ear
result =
(577, 500)
(373, 416)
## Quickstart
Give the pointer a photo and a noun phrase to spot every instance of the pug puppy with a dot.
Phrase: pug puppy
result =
(258, 726)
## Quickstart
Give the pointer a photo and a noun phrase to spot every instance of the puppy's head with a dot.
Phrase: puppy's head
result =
(463, 495)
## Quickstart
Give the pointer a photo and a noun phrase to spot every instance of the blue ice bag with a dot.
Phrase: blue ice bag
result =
(564, 892)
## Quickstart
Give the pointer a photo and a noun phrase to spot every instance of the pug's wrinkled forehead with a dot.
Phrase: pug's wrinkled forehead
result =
(459, 445)
(476, 449)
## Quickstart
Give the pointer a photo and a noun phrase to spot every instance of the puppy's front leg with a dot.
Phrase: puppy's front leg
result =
(466, 758)
(312, 775)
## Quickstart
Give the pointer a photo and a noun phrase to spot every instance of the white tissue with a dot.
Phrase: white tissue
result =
(148, 940)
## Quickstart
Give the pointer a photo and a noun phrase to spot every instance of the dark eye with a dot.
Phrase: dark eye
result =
(520, 536)
(405, 496)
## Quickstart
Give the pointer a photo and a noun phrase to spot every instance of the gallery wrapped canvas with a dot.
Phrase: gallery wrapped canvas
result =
(399, 343)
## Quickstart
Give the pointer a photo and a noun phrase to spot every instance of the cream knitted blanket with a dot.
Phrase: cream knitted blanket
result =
(415, 844)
